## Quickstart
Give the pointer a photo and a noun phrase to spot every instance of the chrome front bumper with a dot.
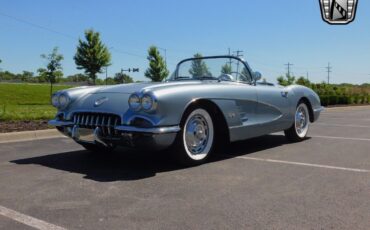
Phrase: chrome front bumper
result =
(317, 111)
(137, 137)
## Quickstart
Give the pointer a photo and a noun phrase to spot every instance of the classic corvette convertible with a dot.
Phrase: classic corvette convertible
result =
(207, 101)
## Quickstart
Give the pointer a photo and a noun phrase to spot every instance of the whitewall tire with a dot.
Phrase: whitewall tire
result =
(195, 142)
(299, 129)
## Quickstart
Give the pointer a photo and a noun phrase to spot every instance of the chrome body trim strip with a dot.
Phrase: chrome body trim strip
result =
(60, 123)
(153, 130)
(320, 109)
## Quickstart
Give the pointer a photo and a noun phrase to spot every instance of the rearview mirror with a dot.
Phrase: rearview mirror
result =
(257, 76)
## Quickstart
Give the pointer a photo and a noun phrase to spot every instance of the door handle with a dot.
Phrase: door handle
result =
(284, 93)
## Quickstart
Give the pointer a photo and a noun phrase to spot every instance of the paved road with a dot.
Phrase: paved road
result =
(263, 183)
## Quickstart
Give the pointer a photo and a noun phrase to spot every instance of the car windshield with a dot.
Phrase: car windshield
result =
(222, 68)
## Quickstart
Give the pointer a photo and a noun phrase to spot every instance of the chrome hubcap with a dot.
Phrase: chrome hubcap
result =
(301, 120)
(196, 134)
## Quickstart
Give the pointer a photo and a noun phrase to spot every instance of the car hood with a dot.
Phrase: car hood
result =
(137, 87)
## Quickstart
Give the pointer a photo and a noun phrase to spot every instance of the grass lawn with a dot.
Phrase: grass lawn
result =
(26, 101)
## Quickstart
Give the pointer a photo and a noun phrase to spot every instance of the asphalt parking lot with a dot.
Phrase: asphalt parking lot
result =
(263, 183)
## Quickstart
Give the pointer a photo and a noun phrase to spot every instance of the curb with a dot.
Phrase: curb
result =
(29, 135)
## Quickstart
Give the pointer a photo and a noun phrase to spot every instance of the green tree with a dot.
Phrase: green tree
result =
(53, 71)
(26, 76)
(226, 69)
(157, 70)
(303, 81)
(120, 78)
(198, 67)
(92, 55)
(287, 80)
(79, 77)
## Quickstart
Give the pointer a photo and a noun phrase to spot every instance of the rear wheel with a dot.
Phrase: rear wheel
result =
(195, 142)
(299, 129)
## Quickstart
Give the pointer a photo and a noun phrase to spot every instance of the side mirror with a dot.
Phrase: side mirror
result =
(257, 76)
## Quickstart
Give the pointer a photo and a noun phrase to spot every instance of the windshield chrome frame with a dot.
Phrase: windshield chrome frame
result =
(214, 57)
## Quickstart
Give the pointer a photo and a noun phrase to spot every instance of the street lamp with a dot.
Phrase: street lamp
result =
(165, 54)
(106, 69)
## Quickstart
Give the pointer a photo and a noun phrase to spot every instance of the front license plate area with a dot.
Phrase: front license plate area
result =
(86, 135)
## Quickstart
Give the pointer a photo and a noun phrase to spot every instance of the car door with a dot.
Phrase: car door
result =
(273, 108)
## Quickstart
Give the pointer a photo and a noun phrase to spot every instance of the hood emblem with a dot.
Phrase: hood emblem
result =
(100, 101)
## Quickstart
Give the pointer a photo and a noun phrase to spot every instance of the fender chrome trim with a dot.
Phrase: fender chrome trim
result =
(319, 109)
(60, 123)
(153, 130)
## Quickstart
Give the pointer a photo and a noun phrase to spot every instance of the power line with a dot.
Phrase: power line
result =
(61, 33)
(328, 69)
(288, 67)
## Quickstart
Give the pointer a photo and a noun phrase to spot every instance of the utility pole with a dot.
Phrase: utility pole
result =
(230, 60)
(328, 69)
(307, 76)
(288, 68)
(239, 53)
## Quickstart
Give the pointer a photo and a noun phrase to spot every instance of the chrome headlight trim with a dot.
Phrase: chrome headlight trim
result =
(148, 102)
(134, 102)
(55, 100)
(63, 100)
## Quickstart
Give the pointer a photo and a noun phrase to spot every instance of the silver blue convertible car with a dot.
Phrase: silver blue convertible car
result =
(207, 101)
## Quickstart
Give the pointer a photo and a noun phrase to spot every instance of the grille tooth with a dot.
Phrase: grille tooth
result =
(106, 122)
(102, 125)
(109, 126)
(115, 124)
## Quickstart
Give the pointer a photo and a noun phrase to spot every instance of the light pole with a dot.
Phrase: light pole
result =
(106, 69)
(165, 54)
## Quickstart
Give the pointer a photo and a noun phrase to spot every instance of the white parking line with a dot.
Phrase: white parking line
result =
(343, 118)
(305, 164)
(342, 125)
(28, 220)
(342, 138)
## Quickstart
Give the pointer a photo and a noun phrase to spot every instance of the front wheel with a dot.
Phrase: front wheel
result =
(195, 142)
(299, 129)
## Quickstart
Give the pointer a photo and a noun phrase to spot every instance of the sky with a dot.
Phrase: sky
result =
(270, 33)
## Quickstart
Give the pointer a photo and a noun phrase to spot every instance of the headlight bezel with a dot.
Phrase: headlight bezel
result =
(55, 100)
(137, 106)
(141, 99)
(147, 98)
(61, 100)
(65, 103)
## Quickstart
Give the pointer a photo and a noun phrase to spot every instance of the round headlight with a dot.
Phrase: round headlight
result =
(63, 101)
(134, 101)
(147, 102)
(55, 100)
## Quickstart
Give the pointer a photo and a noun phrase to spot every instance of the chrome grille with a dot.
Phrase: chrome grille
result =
(105, 121)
